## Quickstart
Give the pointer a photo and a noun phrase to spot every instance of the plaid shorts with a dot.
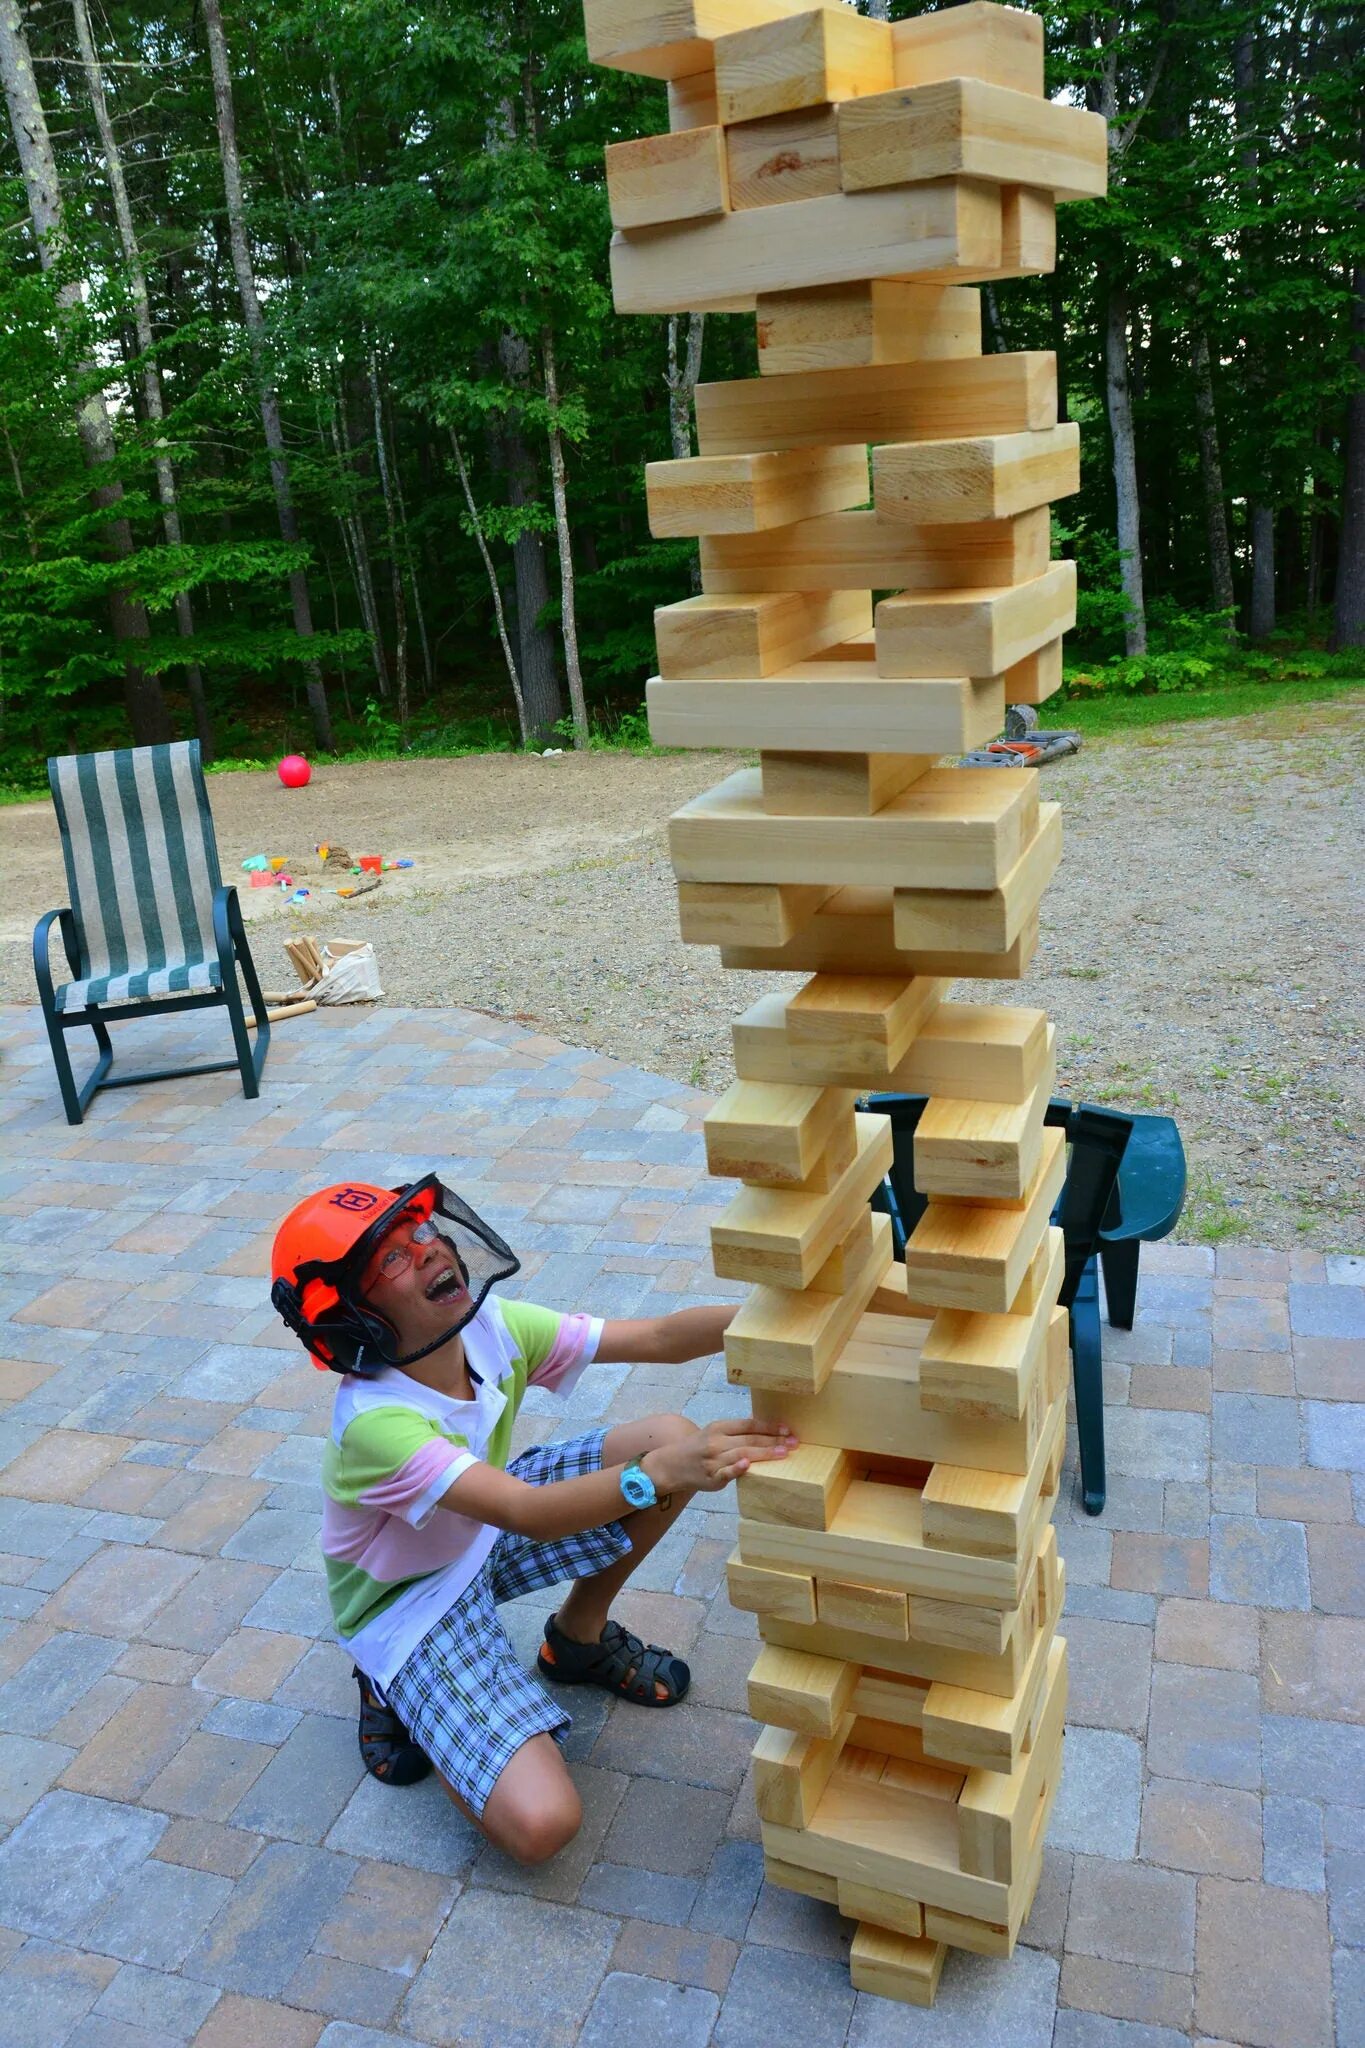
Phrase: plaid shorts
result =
(462, 1694)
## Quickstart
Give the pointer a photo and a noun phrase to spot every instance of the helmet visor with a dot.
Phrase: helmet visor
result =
(345, 1330)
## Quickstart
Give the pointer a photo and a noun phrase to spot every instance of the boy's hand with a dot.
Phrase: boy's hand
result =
(720, 1452)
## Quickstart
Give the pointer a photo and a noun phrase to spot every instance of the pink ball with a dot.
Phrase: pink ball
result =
(294, 771)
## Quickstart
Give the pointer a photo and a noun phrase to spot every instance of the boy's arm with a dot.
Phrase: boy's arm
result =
(666, 1340)
(703, 1462)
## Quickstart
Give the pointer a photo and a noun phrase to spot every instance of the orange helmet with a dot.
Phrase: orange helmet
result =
(321, 1251)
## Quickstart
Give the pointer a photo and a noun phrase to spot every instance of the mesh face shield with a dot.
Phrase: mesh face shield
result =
(322, 1300)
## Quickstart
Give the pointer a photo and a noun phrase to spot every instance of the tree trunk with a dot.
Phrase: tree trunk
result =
(1261, 611)
(539, 675)
(1348, 618)
(1125, 471)
(682, 381)
(477, 524)
(144, 700)
(151, 375)
(226, 118)
(564, 541)
(400, 607)
(358, 547)
(410, 558)
(1211, 469)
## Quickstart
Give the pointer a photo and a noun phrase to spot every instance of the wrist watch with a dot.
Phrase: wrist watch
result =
(637, 1486)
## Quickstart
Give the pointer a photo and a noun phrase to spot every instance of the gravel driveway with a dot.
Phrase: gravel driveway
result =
(1201, 949)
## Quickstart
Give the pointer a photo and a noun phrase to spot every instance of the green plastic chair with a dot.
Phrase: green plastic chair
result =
(1145, 1205)
(150, 927)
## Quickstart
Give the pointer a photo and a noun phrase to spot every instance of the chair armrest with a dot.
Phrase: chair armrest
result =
(42, 941)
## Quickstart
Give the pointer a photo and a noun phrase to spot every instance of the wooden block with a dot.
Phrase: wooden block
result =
(915, 401)
(1003, 45)
(791, 1771)
(976, 1258)
(729, 494)
(875, 1537)
(984, 1152)
(884, 1706)
(895, 1965)
(811, 1883)
(843, 1268)
(787, 157)
(998, 1676)
(1028, 232)
(752, 635)
(870, 1020)
(788, 1341)
(860, 551)
(1058, 1353)
(969, 1050)
(775, 1237)
(922, 719)
(956, 1626)
(773, 1135)
(746, 913)
(973, 632)
(692, 100)
(965, 826)
(853, 935)
(789, 1596)
(871, 1402)
(801, 1491)
(668, 38)
(1037, 677)
(883, 1909)
(836, 785)
(967, 128)
(988, 920)
(974, 1729)
(983, 1513)
(874, 320)
(806, 60)
(659, 178)
(946, 232)
(872, 1610)
(793, 1690)
(979, 477)
(1042, 1281)
(981, 1367)
(999, 1816)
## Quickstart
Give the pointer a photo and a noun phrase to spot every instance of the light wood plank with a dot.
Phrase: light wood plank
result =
(988, 920)
(974, 1051)
(836, 785)
(787, 1341)
(976, 1258)
(911, 401)
(787, 157)
(791, 1771)
(668, 38)
(873, 1610)
(819, 708)
(945, 232)
(857, 550)
(780, 1238)
(660, 178)
(828, 53)
(1003, 45)
(752, 635)
(892, 1964)
(871, 321)
(843, 939)
(791, 1689)
(773, 1135)
(1037, 677)
(692, 100)
(965, 127)
(981, 1151)
(746, 913)
(974, 632)
(787, 1596)
(883, 1909)
(872, 1020)
(965, 826)
(801, 1491)
(744, 494)
(979, 477)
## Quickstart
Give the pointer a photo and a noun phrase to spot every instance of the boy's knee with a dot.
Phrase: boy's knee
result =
(533, 1834)
(672, 1429)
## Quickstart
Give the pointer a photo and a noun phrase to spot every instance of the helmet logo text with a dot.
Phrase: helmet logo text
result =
(354, 1198)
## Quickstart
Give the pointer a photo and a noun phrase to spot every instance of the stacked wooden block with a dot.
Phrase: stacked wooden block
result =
(849, 180)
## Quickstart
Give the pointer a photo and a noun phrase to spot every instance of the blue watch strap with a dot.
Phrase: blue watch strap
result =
(637, 1486)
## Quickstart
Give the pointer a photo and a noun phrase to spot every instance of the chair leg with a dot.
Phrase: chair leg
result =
(232, 949)
(1120, 1263)
(1087, 1375)
(76, 1099)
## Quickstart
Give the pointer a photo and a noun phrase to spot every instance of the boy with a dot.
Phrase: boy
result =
(427, 1523)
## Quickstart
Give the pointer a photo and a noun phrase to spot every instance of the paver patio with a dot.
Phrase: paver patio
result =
(189, 1850)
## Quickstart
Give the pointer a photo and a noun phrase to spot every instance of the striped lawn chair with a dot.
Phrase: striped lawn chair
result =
(151, 928)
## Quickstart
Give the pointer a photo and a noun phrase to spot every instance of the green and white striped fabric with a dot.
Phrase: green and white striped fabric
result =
(142, 866)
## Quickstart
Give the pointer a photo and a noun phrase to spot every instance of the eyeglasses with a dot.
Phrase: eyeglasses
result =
(399, 1258)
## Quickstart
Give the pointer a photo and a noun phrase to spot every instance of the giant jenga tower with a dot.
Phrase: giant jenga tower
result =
(849, 180)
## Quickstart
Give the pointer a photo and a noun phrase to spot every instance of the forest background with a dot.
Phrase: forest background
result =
(319, 428)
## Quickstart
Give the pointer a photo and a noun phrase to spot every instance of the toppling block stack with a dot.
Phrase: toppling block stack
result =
(876, 585)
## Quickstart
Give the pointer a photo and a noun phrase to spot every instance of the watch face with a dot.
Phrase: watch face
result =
(636, 1487)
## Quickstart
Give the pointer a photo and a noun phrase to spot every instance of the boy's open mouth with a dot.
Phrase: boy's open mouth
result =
(446, 1287)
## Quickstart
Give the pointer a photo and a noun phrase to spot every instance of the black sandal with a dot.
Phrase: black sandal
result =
(387, 1751)
(619, 1662)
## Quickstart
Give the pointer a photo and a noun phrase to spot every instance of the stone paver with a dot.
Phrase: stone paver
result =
(193, 1855)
